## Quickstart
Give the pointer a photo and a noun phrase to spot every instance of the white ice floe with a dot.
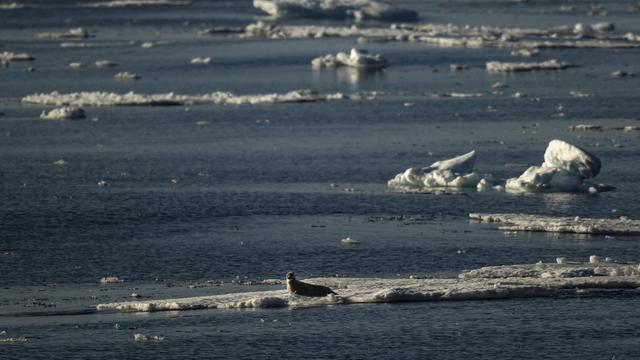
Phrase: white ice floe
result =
(110, 280)
(167, 99)
(14, 56)
(337, 9)
(553, 64)
(565, 169)
(201, 61)
(455, 95)
(63, 113)
(12, 6)
(76, 65)
(349, 241)
(357, 58)
(495, 282)
(78, 33)
(585, 127)
(580, 94)
(525, 52)
(104, 64)
(456, 173)
(126, 76)
(578, 225)
(143, 337)
(123, 3)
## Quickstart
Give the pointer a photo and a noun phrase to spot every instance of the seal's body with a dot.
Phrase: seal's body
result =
(301, 288)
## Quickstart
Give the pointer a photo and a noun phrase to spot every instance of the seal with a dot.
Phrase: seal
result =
(301, 288)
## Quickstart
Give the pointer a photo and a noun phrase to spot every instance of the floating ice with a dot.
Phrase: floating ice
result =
(361, 59)
(553, 64)
(123, 3)
(201, 61)
(349, 241)
(456, 172)
(494, 282)
(79, 33)
(142, 337)
(168, 99)
(13, 56)
(337, 9)
(585, 127)
(105, 63)
(578, 225)
(565, 169)
(525, 52)
(76, 65)
(12, 6)
(63, 113)
(125, 76)
(110, 280)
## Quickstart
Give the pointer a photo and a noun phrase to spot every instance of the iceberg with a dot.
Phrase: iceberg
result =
(98, 98)
(456, 173)
(577, 225)
(360, 59)
(336, 9)
(486, 283)
(566, 168)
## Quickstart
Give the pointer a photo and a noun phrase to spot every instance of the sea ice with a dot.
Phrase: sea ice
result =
(578, 225)
(98, 98)
(361, 59)
(110, 280)
(493, 282)
(105, 63)
(565, 169)
(12, 6)
(63, 113)
(553, 64)
(201, 61)
(142, 337)
(79, 33)
(13, 56)
(338, 9)
(123, 3)
(456, 172)
(125, 76)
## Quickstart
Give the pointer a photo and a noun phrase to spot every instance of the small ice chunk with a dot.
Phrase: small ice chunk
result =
(76, 65)
(525, 52)
(78, 33)
(147, 45)
(110, 280)
(594, 259)
(361, 59)
(126, 76)
(105, 63)
(561, 260)
(350, 241)
(12, 6)
(201, 61)
(14, 56)
(585, 127)
(553, 64)
(60, 162)
(142, 337)
(63, 113)
(621, 74)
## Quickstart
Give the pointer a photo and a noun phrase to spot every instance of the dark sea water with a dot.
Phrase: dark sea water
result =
(242, 196)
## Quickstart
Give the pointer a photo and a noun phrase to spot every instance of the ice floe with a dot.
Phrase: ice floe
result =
(456, 173)
(123, 3)
(126, 76)
(357, 58)
(487, 283)
(98, 98)
(14, 56)
(336, 9)
(105, 63)
(585, 127)
(553, 64)
(63, 113)
(201, 61)
(566, 168)
(78, 33)
(578, 225)
(12, 6)
(110, 280)
(143, 337)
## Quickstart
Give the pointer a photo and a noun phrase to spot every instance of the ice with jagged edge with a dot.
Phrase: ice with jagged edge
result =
(560, 37)
(98, 98)
(335, 9)
(577, 225)
(7, 56)
(357, 58)
(566, 168)
(452, 173)
(495, 282)
(553, 64)
(63, 113)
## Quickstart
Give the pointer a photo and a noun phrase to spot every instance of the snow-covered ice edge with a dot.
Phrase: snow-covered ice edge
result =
(577, 225)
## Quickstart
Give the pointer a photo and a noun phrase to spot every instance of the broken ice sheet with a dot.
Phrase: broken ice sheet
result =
(577, 225)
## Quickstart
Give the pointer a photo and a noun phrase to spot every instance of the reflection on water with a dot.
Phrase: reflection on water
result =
(349, 75)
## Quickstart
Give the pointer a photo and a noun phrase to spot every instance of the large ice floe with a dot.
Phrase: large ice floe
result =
(98, 98)
(452, 173)
(561, 37)
(335, 9)
(553, 64)
(577, 225)
(566, 168)
(487, 283)
(360, 59)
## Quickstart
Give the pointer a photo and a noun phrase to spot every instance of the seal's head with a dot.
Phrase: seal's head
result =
(290, 276)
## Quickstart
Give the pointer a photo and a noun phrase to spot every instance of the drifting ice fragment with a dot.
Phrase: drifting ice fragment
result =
(125, 76)
(456, 172)
(337, 9)
(201, 61)
(63, 113)
(123, 3)
(13, 56)
(361, 59)
(110, 280)
(142, 337)
(578, 225)
(553, 64)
